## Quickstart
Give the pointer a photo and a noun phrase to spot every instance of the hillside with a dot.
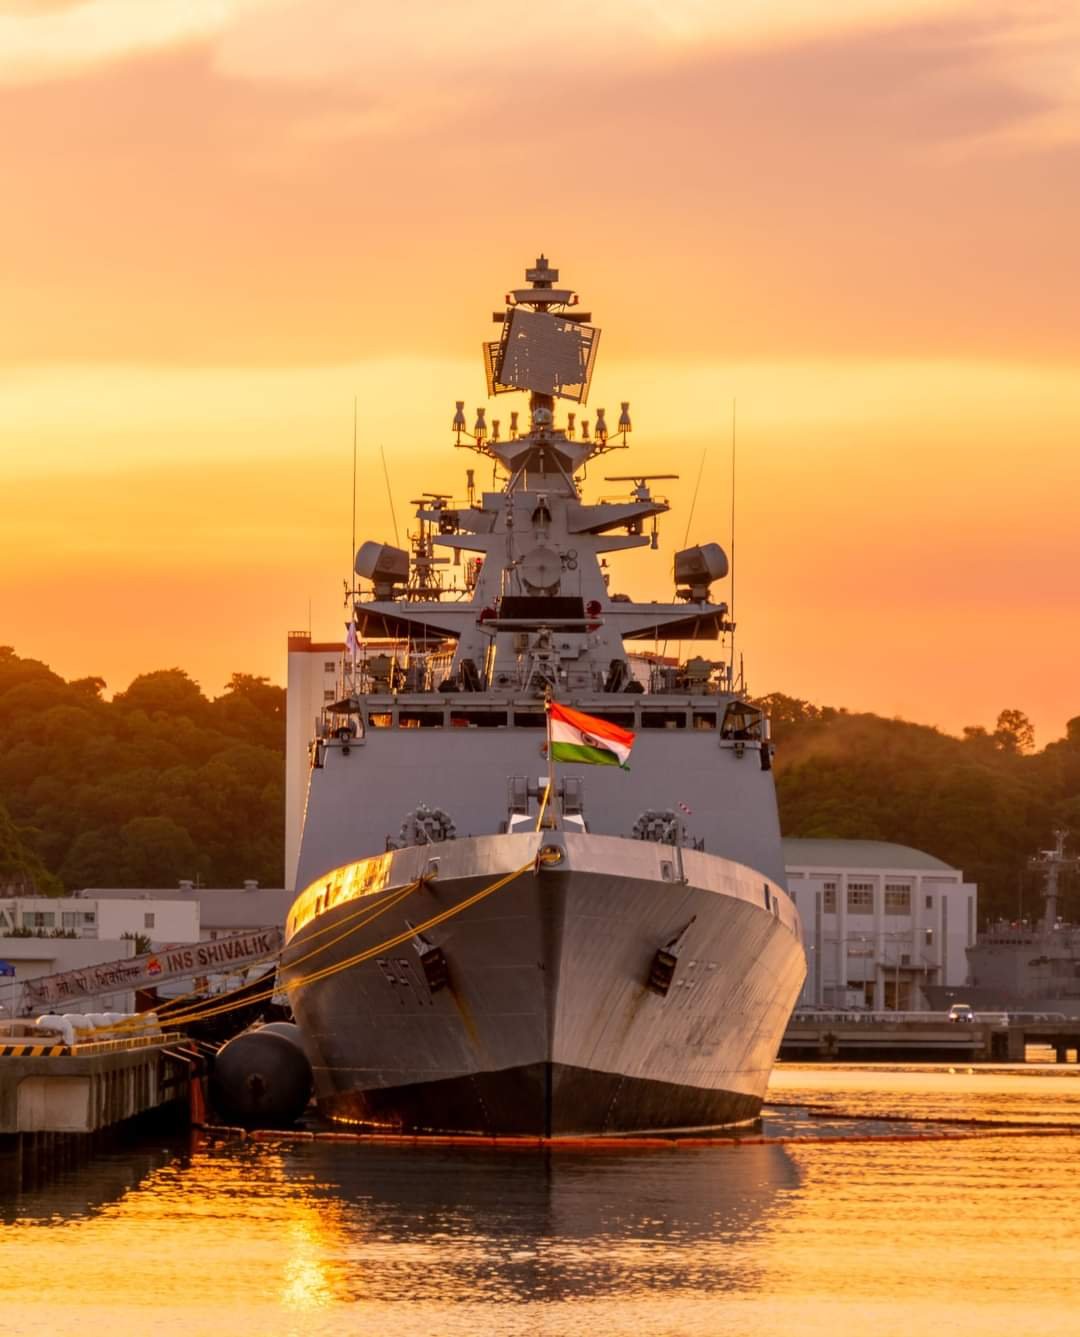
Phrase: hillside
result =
(157, 784)
(983, 802)
(162, 783)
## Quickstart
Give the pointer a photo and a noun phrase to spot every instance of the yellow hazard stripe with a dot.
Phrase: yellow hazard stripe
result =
(32, 1051)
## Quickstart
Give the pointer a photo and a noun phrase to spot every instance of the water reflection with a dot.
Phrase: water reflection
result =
(500, 1224)
(999, 1094)
(89, 1187)
(979, 1237)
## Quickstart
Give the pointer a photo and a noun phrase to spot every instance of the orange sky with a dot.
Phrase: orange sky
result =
(221, 221)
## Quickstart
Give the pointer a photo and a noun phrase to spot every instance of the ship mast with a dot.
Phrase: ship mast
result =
(1052, 863)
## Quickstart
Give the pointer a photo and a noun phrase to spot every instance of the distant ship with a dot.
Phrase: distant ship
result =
(638, 960)
(1020, 967)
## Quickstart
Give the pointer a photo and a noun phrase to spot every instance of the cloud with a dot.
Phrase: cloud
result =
(783, 200)
(48, 39)
(416, 65)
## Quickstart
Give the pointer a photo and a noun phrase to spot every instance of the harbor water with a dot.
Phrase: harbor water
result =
(844, 1224)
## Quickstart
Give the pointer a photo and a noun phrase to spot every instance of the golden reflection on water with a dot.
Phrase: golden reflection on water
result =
(979, 1238)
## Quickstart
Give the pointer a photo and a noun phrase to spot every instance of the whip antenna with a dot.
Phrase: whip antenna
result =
(693, 499)
(389, 494)
(732, 614)
(352, 550)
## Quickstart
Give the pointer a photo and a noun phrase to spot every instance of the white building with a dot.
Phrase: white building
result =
(103, 916)
(216, 911)
(30, 958)
(879, 920)
(314, 678)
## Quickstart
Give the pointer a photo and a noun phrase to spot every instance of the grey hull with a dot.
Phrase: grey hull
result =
(942, 996)
(546, 1024)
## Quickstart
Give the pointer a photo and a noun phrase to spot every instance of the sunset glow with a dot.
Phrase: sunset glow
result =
(858, 220)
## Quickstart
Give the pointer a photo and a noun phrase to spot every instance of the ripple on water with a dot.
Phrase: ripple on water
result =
(978, 1238)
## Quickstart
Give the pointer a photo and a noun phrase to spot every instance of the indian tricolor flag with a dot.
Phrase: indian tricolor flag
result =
(584, 738)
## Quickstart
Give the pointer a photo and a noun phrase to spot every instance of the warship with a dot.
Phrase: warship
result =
(1018, 966)
(492, 941)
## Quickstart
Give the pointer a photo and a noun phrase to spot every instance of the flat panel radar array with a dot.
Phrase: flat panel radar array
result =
(544, 353)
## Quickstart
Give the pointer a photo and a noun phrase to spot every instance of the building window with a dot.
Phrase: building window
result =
(39, 919)
(89, 917)
(70, 919)
(897, 898)
(148, 921)
(829, 901)
(328, 695)
(860, 897)
(929, 902)
(329, 666)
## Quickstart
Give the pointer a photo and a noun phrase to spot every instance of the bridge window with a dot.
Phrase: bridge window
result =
(420, 719)
(380, 719)
(529, 719)
(704, 719)
(663, 719)
(741, 721)
(478, 719)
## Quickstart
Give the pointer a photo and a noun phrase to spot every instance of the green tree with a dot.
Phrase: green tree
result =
(1014, 732)
(21, 871)
(156, 852)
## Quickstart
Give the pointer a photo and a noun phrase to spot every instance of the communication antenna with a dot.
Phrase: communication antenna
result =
(352, 549)
(389, 494)
(693, 499)
(732, 614)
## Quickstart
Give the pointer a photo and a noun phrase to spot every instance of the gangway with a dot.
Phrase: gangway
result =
(52, 993)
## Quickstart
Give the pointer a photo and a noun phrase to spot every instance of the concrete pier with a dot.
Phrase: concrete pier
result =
(926, 1036)
(91, 1087)
(58, 1109)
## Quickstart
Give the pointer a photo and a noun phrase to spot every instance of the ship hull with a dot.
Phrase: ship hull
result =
(545, 1022)
(942, 996)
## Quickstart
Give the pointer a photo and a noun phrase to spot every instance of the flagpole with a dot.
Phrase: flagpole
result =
(551, 762)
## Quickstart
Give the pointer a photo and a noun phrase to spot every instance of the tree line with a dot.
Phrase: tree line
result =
(157, 784)
(161, 782)
(983, 802)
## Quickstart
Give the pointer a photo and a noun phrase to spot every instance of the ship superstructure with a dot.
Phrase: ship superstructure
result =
(1018, 966)
(639, 968)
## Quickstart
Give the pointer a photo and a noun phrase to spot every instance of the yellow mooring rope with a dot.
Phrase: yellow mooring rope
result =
(214, 1008)
(393, 898)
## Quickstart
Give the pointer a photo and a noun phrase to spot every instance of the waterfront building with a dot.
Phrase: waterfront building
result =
(104, 916)
(879, 921)
(210, 912)
(314, 674)
(30, 958)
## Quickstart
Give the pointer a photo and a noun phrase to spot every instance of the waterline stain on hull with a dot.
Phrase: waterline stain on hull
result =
(542, 1100)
